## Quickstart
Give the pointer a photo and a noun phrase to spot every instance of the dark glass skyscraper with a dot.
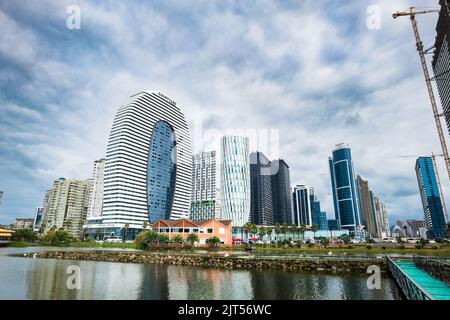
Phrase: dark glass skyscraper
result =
(161, 171)
(343, 186)
(261, 211)
(281, 192)
(432, 200)
(303, 201)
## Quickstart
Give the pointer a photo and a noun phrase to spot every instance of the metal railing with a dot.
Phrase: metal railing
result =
(409, 287)
(435, 268)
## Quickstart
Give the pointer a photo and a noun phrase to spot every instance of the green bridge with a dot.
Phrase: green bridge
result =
(421, 278)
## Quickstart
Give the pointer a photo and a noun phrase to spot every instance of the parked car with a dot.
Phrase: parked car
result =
(411, 240)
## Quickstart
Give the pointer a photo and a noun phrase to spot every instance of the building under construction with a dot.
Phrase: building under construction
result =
(441, 59)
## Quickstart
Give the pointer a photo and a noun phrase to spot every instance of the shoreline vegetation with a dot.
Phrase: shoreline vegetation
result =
(333, 264)
(441, 251)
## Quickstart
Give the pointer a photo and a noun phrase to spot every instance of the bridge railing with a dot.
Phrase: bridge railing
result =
(435, 268)
(409, 287)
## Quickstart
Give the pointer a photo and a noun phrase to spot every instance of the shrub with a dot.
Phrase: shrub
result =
(402, 246)
(145, 238)
(369, 246)
(325, 242)
(383, 247)
(350, 247)
(419, 246)
(434, 247)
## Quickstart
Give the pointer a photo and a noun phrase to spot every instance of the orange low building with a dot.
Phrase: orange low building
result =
(205, 229)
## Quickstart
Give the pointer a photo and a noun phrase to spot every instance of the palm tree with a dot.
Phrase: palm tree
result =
(178, 239)
(303, 229)
(214, 242)
(145, 225)
(97, 233)
(262, 231)
(294, 229)
(254, 229)
(247, 227)
(277, 229)
(314, 229)
(192, 239)
(125, 231)
(285, 229)
(269, 233)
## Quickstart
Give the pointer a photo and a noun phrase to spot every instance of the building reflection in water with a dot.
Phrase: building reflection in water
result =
(46, 279)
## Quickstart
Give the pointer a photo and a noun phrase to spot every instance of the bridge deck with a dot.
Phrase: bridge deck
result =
(435, 288)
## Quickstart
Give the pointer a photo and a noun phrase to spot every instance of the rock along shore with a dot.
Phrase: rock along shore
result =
(231, 262)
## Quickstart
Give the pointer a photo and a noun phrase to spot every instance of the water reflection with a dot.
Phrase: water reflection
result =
(24, 278)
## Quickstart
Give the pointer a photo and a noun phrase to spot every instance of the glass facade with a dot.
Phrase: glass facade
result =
(431, 195)
(235, 179)
(161, 172)
(344, 190)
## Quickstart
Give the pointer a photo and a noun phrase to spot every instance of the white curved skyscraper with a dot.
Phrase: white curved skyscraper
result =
(148, 165)
(235, 179)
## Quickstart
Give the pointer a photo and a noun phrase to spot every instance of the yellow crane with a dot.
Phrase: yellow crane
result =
(412, 15)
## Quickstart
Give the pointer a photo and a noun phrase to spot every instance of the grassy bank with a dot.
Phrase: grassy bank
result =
(444, 251)
(79, 244)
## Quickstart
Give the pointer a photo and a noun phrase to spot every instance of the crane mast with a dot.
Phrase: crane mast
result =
(412, 14)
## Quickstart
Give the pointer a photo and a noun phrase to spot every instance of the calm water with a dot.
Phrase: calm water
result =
(26, 278)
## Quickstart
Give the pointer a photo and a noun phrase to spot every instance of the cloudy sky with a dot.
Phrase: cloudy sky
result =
(314, 70)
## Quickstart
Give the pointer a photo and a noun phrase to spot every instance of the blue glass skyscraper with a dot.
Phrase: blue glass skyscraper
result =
(432, 200)
(344, 190)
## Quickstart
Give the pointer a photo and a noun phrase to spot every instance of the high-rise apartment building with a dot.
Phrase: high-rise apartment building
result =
(148, 168)
(281, 193)
(441, 59)
(323, 221)
(1, 197)
(365, 204)
(66, 205)
(235, 179)
(261, 201)
(204, 197)
(431, 195)
(345, 195)
(38, 216)
(303, 199)
(96, 200)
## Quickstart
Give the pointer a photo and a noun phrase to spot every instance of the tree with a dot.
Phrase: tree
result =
(97, 233)
(125, 231)
(214, 241)
(162, 238)
(192, 239)
(57, 237)
(262, 231)
(25, 235)
(277, 229)
(345, 238)
(145, 225)
(145, 238)
(303, 229)
(269, 233)
(254, 230)
(284, 229)
(178, 239)
(324, 241)
(247, 228)
(314, 229)
(294, 229)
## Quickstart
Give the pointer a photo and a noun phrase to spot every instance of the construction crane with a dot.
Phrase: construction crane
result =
(412, 15)
(433, 157)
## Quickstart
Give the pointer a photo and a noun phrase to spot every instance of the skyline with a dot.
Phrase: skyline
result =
(356, 87)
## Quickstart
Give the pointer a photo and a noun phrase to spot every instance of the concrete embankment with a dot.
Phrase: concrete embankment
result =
(232, 262)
